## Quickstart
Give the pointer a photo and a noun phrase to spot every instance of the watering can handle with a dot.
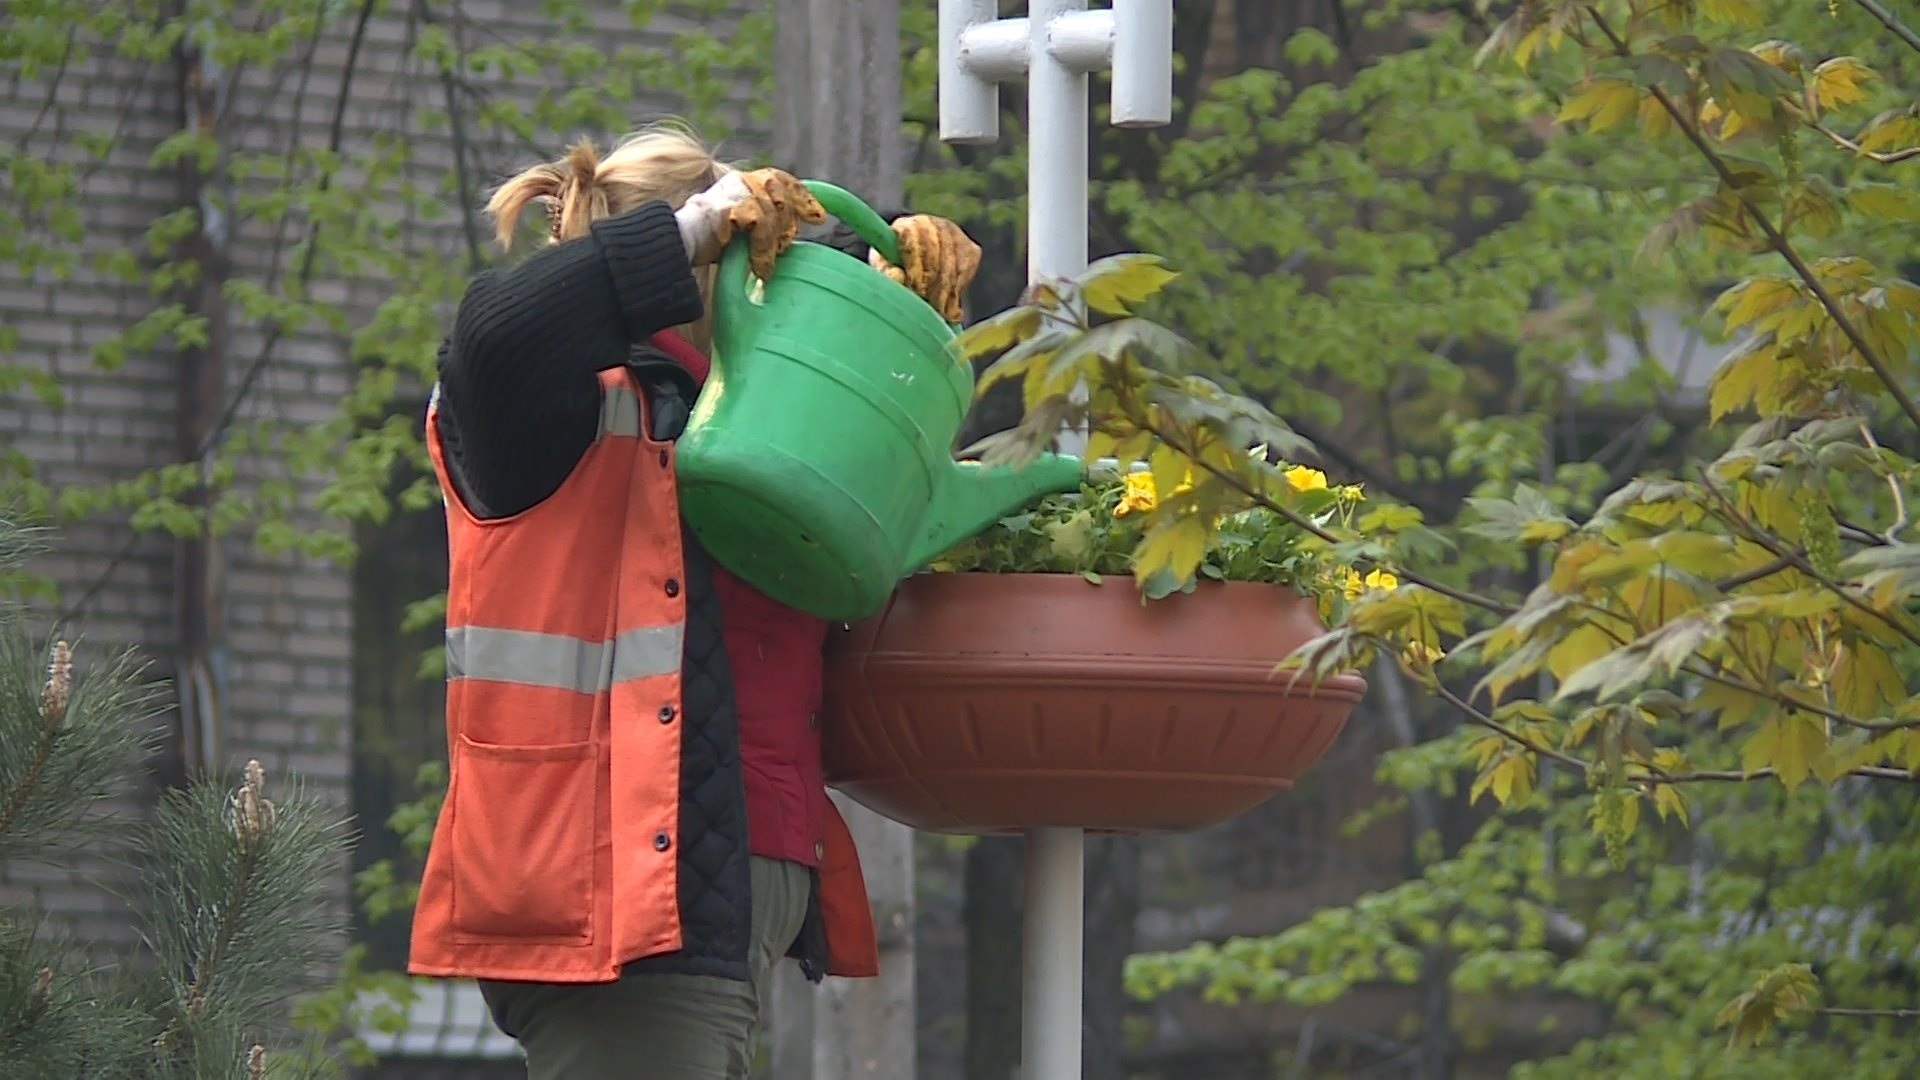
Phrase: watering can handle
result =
(858, 216)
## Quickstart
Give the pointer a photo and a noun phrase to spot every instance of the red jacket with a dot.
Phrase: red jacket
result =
(776, 656)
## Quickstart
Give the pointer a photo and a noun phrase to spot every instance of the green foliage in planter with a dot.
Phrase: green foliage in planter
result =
(1096, 532)
(1197, 492)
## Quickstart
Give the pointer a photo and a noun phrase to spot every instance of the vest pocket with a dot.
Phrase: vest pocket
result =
(522, 841)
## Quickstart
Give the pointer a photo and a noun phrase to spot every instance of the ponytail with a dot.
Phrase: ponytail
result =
(664, 162)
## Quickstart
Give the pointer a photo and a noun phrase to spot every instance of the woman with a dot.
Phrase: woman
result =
(636, 829)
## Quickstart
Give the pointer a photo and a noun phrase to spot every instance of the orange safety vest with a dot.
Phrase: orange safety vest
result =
(556, 854)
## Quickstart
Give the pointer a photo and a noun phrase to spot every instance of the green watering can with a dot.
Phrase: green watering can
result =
(818, 463)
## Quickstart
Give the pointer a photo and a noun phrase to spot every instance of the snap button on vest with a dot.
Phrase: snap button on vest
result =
(666, 714)
(819, 851)
(813, 721)
(673, 587)
(661, 841)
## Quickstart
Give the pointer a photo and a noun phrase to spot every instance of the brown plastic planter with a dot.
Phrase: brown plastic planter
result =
(997, 703)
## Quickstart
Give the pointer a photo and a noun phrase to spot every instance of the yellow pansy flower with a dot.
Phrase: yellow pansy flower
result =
(1142, 494)
(1139, 495)
(1356, 586)
(1301, 478)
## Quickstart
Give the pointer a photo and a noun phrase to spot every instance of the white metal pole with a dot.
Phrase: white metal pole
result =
(1052, 996)
(1056, 147)
(1063, 43)
(1053, 954)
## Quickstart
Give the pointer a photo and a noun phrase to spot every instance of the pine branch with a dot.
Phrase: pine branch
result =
(53, 713)
(229, 882)
(71, 757)
(57, 1017)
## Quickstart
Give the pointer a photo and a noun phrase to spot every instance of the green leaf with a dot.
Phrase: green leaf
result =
(1753, 298)
(1603, 103)
(1118, 283)
(1743, 377)
(1509, 779)
(1172, 547)
(1781, 993)
(1893, 202)
(1530, 517)
(1789, 743)
(1071, 540)
(1837, 82)
(1002, 331)
(1738, 12)
(1311, 46)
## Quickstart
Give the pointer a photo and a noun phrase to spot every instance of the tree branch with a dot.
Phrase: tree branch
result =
(1784, 562)
(1901, 519)
(1870, 772)
(1488, 722)
(1651, 776)
(451, 80)
(1767, 540)
(336, 136)
(30, 780)
(1900, 30)
(1893, 157)
(1775, 238)
(53, 89)
(1353, 463)
(1784, 701)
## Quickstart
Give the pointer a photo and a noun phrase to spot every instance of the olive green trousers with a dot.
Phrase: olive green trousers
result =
(659, 1027)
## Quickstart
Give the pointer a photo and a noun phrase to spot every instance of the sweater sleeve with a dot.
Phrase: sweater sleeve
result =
(519, 374)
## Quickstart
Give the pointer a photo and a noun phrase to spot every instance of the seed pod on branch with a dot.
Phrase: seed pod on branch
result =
(253, 812)
(59, 689)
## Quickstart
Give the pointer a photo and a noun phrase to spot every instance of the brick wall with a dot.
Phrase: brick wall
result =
(287, 643)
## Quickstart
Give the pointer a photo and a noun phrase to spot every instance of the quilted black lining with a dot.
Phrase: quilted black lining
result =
(716, 891)
(716, 901)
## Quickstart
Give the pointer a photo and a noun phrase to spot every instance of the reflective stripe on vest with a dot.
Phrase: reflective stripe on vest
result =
(561, 662)
(620, 411)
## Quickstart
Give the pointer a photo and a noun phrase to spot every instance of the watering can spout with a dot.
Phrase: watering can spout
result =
(972, 496)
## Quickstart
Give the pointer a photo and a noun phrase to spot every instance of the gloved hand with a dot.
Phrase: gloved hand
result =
(767, 204)
(940, 261)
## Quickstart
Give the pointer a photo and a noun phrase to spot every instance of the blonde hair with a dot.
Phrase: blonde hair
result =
(666, 162)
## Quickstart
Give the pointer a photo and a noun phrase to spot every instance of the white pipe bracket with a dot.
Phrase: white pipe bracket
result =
(1133, 38)
(1082, 41)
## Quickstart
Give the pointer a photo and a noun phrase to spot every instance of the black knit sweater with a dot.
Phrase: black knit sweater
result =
(519, 375)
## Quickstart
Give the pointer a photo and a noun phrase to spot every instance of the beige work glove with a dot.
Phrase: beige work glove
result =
(940, 261)
(766, 204)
